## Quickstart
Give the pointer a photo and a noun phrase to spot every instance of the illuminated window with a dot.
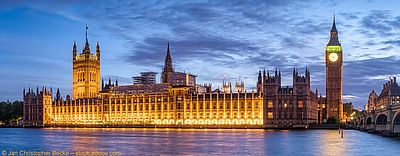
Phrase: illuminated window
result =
(285, 105)
(300, 104)
(270, 104)
(270, 115)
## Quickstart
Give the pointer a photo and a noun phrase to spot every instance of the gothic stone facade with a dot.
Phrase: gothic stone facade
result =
(294, 106)
(175, 102)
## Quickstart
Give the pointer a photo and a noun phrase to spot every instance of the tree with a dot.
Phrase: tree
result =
(11, 111)
(332, 120)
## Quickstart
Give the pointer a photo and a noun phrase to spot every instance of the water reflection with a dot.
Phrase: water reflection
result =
(332, 143)
(138, 141)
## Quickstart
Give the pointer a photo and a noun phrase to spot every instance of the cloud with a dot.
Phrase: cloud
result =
(349, 98)
(237, 38)
(351, 15)
(392, 42)
(381, 23)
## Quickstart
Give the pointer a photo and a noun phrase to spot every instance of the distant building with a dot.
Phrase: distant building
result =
(348, 108)
(145, 78)
(203, 88)
(372, 101)
(389, 95)
(182, 79)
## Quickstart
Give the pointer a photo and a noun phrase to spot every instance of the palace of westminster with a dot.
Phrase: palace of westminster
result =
(178, 101)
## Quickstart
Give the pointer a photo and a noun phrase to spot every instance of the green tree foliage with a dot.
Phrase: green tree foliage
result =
(11, 111)
(333, 120)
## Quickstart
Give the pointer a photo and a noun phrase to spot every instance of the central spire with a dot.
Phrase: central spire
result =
(167, 70)
(86, 50)
(87, 33)
(168, 61)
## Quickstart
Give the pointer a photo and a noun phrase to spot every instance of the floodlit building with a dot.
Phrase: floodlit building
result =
(177, 101)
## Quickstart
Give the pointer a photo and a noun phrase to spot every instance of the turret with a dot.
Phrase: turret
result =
(301, 83)
(239, 86)
(279, 74)
(272, 83)
(102, 84)
(98, 51)
(58, 95)
(259, 80)
(294, 72)
(74, 51)
(264, 75)
(308, 76)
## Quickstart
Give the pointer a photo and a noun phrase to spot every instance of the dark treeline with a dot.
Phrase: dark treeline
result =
(10, 111)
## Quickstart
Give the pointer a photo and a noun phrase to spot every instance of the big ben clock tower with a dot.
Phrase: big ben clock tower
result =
(334, 62)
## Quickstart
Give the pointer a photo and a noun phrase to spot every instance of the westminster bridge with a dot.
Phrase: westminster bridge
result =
(385, 120)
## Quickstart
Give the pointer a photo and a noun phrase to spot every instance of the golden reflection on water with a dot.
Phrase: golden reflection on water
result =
(199, 141)
(332, 143)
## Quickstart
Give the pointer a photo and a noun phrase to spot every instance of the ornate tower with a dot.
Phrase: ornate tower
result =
(167, 71)
(272, 85)
(260, 82)
(333, 64)
(86, 72)
(301, 83)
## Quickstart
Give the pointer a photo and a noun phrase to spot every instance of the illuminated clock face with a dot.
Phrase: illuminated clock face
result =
(333, 57)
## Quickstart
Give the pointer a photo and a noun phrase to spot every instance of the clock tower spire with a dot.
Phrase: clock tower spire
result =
(333, 67)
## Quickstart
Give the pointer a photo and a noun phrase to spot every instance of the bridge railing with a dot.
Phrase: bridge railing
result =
(396, 129)
(369, 126)
(382, 127)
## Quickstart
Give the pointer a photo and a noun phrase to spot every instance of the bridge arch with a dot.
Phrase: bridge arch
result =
(369, 120)
(396, 122)
(381, 119)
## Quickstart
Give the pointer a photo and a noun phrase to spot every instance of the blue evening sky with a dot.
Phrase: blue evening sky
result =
(211, 39)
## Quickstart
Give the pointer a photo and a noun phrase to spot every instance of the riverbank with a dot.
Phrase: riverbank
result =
(381, 133)
(305, 127)
(168, 141)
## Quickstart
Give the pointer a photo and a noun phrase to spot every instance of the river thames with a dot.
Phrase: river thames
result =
(134, 141)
